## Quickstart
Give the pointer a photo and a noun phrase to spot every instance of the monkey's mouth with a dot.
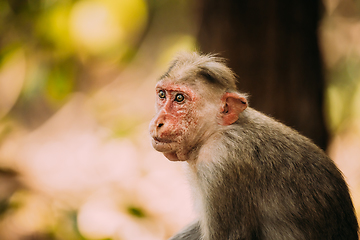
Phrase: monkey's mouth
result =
(161, 140)
(162, 144)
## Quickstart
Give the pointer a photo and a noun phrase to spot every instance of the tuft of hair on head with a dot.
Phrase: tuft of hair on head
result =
(191, 66)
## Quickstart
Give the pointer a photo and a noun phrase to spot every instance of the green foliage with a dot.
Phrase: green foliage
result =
(342, 93)
(60, 83)
(137, 212)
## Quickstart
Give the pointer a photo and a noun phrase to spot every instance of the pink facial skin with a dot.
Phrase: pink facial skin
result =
(176, 117)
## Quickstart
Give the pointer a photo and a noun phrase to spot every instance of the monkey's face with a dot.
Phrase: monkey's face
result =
(178, 124)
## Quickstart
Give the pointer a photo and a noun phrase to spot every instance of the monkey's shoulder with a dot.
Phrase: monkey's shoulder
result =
(254, 126)
(262, 138)
(274, 156)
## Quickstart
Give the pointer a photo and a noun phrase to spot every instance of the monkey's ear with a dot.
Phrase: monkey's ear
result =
(232, 105)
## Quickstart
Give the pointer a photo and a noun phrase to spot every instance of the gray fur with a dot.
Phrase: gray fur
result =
(191, 232)
(188, 67)
(265, 181)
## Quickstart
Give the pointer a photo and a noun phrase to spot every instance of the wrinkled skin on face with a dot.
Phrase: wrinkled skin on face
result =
(179, 124)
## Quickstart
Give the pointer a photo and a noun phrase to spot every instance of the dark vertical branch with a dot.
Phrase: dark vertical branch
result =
(273, 47)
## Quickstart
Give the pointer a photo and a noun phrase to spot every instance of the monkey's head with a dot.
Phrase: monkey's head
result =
(194, 99)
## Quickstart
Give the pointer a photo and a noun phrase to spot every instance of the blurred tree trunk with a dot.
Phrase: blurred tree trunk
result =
(273, 47)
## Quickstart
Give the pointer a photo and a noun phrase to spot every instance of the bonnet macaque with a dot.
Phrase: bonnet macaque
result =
(251, 176)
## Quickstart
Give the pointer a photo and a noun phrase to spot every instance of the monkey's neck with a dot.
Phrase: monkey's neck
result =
(203, 180)
(196, 177)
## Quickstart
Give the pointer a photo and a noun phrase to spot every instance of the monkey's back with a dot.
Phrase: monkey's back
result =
(278, 185)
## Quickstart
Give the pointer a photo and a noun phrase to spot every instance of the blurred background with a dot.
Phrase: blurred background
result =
(77, 93)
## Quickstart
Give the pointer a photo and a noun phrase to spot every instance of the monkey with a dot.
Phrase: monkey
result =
(251, 176)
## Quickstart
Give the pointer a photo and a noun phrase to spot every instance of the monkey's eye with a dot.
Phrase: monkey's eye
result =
(162, 94)
(179, 97)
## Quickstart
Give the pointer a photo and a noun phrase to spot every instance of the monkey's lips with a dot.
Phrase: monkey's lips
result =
(162, 144)
(162, 140)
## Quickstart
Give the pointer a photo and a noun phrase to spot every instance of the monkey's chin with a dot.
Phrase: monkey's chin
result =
(172, 156)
